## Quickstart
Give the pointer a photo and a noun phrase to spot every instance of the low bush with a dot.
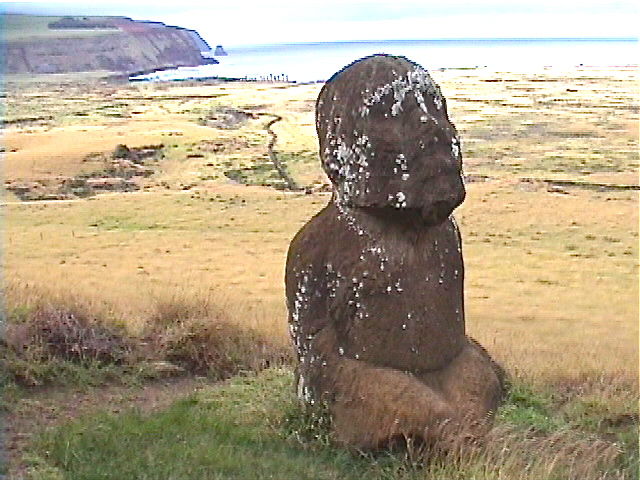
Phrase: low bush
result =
(203, 339)
(78, 338)
(218, 348)
(57, 344)
(66, 343)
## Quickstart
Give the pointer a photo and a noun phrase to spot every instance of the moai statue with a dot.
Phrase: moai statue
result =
(374, 282)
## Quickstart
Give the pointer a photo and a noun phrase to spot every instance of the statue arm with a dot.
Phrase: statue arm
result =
(369, 405)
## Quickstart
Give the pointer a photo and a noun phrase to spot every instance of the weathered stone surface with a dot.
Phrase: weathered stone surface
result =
(374, 282)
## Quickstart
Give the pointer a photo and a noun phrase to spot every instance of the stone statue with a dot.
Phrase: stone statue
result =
(374, 282)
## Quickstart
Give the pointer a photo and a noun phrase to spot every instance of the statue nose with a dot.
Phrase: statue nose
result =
(448, 194)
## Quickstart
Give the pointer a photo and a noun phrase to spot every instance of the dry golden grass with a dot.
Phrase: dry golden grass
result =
(551, 284)
(193, 266)
(551, 290)
(552, 278)
(123, 253)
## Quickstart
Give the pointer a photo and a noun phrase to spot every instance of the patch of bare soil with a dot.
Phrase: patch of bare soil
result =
(227, 118)
(122, 171)
(47, 408)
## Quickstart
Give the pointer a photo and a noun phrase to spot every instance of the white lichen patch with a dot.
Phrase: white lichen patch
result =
(456, 231)
(349, 162)
(333, 282)
(297, 311)
(455, 147)
(401, 167)
(399, 200)
(417, 81)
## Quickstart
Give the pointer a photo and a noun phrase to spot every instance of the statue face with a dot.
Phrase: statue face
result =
(386, 140)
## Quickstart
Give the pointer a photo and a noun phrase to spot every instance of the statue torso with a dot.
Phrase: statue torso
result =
(393, 293)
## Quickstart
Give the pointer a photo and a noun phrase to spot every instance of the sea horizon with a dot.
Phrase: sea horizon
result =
(317, 61)
(444, 40)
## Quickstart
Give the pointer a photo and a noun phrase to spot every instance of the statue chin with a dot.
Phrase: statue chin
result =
(436, 214)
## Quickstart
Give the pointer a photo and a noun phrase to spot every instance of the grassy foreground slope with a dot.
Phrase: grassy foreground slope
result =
(253, 428)
(551, 280)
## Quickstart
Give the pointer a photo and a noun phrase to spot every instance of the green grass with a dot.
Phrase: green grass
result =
(225, 433)
(249, 428)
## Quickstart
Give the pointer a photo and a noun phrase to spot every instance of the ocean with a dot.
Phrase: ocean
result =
(312, 62)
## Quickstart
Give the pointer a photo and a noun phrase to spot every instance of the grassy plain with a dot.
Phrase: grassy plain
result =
(551, 279)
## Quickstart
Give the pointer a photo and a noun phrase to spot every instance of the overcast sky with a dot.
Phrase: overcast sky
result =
(241, 22)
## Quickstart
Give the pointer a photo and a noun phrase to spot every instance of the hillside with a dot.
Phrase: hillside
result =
(40, 44)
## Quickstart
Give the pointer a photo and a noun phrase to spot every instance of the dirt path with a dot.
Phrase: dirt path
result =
(273, 138)
(49, 407)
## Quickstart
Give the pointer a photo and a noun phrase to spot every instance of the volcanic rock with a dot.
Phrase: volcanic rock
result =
(374, 282)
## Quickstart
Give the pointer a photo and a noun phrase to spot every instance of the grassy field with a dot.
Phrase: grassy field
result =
(551, 284)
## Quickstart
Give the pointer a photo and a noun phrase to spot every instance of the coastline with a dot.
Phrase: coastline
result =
(316, 62)
(186, 74)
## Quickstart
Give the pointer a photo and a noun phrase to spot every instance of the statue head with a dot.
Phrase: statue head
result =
(386, 141)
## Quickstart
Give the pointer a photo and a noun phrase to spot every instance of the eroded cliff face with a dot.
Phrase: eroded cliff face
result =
(127, 47)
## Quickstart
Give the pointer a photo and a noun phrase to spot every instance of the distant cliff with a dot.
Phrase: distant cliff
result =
(37, 44)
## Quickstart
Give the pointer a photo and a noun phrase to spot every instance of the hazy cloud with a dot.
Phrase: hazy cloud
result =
(288, 21)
